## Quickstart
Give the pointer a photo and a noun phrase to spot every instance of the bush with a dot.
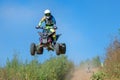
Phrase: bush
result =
(98, 76)
(56, 68)
(94, 62)
(112, 61)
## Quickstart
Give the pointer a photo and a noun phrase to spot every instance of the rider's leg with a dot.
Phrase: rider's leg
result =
(49, 28)
(54, 36)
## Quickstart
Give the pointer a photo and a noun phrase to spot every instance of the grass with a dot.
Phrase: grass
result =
(56, 68)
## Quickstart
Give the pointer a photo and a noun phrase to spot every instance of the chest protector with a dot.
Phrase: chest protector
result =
(49, 21)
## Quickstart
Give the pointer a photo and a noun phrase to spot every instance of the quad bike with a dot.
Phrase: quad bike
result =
(46, 41)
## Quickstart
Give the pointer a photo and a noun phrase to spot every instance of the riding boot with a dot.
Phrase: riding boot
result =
(54, 39)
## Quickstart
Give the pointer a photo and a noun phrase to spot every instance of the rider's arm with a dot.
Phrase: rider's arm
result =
(41, 21)
(54, 21)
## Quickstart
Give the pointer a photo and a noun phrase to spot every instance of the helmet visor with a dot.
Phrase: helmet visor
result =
(48, 14)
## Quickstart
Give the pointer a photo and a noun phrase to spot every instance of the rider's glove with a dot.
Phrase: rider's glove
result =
(37, 27)
(55, 27)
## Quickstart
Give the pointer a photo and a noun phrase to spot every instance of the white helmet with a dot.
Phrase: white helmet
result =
(47, 11)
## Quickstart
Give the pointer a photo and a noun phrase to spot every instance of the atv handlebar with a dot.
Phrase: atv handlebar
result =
(41, 27)
(38, 27)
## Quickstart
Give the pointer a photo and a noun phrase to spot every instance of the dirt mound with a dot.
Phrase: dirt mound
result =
(82, 73)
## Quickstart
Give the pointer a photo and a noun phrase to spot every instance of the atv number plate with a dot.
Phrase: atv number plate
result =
(44, 41)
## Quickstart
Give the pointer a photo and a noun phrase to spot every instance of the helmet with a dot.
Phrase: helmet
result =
(47, 13)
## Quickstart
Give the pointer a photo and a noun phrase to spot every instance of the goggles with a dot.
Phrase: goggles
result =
(48, 14)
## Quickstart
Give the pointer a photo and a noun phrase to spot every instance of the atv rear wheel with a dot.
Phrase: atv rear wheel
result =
(32, 49)
(57, 48)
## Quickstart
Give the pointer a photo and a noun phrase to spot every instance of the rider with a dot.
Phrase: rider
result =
(50, 23)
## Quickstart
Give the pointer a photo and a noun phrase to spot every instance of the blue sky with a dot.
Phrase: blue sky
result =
(87, 26)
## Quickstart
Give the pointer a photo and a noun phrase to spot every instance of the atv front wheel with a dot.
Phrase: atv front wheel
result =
(32, 49)
(63, 48)
(57, 48)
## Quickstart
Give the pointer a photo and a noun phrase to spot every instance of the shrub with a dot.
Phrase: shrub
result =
(55, 68)
(98, 76)
(112, 61)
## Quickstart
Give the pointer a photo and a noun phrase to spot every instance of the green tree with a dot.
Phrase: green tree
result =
(96, 61)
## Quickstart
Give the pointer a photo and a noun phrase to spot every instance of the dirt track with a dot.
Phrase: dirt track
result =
(82, 74)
